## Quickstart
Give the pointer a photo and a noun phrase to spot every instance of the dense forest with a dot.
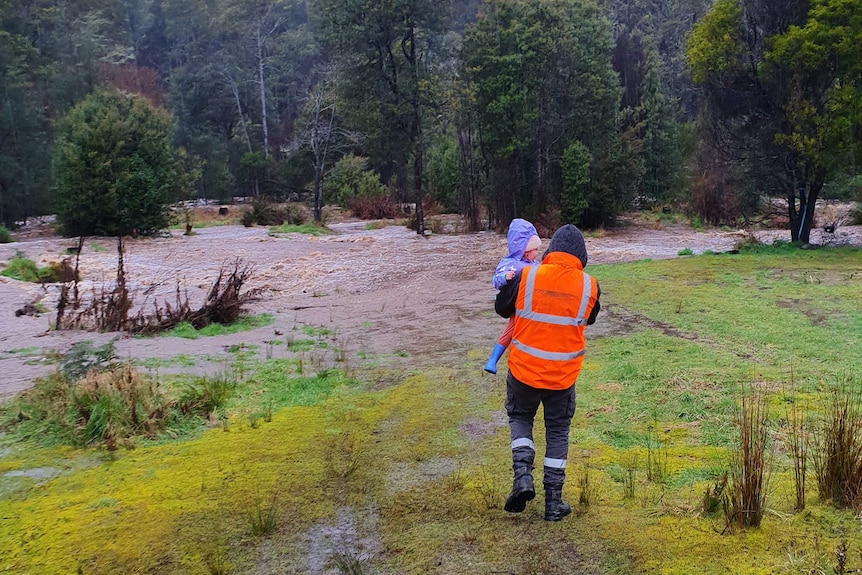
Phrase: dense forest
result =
(552, 110)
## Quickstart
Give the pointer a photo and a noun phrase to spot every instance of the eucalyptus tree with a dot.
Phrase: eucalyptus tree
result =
(781, 82)
(385, 46)
(322, 133)
(547, 103)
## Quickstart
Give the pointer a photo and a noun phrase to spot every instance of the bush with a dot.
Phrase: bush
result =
(265, 212)
(116, 170)
(5, 235)
(350, 178)
(372, 207)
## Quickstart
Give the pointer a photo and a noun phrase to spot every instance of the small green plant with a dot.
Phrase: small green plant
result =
(715, 495)
(263, 514)
(5, 235)
(204, 395)
(489, 493)
(630, 477)
(589, 493)
(685, 252)
(657, 457)
(348, 564)
(217, 564)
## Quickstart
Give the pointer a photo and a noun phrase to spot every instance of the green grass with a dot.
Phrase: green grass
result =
(418, 461)
(179, 360)
(245, 323)
(24, 269)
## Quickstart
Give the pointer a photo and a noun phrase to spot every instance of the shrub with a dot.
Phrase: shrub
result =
(372, 207)
(351, 178)
(116, 170)
(265, 212)
(204, 395)
(5, 235)
(116, 405)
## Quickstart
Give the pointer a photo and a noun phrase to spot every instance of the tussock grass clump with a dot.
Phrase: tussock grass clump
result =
(113, 406)
(93, 399)
(263, 514)
(204, 395)
(837, 450)
(749, 465)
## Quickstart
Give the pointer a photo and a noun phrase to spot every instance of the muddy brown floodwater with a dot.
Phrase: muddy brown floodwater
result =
(381, 290)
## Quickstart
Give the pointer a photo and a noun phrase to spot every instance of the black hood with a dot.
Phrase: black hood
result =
(570, 240)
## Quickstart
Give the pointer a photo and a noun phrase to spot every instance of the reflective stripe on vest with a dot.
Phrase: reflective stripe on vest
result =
(528, 313)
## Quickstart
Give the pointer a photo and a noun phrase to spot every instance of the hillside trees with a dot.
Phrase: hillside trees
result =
(240, 73)
(543, 84)
(117, 172)
(386, 47)
(48, 60)
(781, 84)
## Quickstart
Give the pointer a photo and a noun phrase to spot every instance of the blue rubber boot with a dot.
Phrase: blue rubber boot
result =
(491, 364)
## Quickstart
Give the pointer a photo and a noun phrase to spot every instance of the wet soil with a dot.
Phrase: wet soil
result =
(378, 291)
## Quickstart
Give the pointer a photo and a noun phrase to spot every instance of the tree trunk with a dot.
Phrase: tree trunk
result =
(262, 87)
(416, 103)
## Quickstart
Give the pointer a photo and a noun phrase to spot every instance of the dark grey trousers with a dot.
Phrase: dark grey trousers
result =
(522, 403)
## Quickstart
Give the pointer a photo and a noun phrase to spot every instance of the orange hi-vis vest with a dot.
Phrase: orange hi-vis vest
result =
(554, 302)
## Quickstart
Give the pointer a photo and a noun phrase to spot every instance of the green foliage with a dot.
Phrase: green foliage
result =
(310, 229)
(116, 170)
(715, 43)
(542, 79)
(350, 178)
(798, 76)
(25, 269)
(5, 235)
(204, 395)
(576, 181)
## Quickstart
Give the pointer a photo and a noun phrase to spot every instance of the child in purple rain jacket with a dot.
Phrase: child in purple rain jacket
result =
(524, 243)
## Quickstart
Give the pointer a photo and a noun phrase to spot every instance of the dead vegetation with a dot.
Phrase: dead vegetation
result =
(110, 308)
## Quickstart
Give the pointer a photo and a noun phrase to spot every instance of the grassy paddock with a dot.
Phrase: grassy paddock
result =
(409, 476)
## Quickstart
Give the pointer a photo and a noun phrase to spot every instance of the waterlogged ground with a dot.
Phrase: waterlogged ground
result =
(381, 290)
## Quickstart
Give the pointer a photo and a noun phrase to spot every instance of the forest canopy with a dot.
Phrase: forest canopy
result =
(554, 110)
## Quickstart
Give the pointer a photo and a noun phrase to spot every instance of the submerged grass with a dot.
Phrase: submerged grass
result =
(423, 461)
(245, 323)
